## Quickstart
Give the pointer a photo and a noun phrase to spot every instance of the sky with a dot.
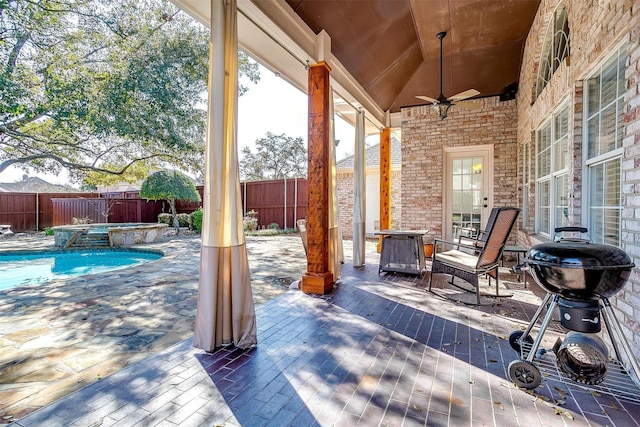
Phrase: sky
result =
(272, 105)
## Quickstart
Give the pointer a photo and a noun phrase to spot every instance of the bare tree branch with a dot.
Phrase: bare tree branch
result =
(78, 166)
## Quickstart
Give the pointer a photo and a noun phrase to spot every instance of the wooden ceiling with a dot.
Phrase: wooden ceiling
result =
(390, 46)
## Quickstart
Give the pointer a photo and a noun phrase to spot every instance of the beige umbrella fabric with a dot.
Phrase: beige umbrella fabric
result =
(359, 194)
(336, 250)
(226, 313)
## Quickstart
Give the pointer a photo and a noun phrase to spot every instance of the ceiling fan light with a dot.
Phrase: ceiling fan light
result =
(441, 110)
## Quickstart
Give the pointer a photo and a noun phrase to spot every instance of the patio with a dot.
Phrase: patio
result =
(378, 350)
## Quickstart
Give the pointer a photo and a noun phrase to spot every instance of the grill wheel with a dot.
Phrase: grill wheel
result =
(524, 374)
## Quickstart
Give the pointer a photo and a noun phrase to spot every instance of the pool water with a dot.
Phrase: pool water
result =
(33, 267)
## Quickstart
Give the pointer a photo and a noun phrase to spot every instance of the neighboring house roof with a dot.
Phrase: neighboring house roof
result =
(34, 185)
(117, 188)
(372, 155)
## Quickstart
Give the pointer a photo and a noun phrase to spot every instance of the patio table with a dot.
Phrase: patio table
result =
(402, 251)
(518, 250)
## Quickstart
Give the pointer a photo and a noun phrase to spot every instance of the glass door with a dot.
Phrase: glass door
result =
(467, 191)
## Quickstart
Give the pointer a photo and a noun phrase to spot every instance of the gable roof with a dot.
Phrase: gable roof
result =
(34, 184)
(372, 155)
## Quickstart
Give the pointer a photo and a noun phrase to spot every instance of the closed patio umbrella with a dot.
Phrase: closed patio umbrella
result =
(226, 314)
(336, 251)
(359, 193)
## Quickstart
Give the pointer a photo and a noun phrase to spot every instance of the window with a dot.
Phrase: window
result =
(552, 173)
(604, 101)
(554, 49)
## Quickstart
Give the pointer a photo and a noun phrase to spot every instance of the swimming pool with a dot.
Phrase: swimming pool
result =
(23, 268)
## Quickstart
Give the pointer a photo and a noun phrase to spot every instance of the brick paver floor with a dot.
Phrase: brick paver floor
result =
(378, 350)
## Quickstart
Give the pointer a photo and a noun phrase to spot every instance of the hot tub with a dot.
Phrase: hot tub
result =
(108, 234)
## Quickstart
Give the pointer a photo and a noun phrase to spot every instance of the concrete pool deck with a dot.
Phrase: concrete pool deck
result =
(61, 336)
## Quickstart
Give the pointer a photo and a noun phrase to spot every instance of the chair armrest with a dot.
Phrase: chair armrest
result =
(457, 245)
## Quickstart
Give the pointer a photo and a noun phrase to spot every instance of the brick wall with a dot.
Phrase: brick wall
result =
(424, 138)
(596, 28)
(396, 199)
(345, 200)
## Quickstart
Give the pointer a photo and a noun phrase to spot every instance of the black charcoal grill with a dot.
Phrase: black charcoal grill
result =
(579, 277)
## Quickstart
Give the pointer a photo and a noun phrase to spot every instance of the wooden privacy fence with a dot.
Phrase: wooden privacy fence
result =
(282, 201)
(31, 211)
(111, 210)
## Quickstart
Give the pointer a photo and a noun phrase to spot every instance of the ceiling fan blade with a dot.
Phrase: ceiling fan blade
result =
(464, 95)
(426, 98)
(470, 105)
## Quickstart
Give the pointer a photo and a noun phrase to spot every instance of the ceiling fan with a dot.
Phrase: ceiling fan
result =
(441, 104)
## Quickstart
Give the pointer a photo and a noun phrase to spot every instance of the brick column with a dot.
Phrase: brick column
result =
(318, 278)
(385, 181)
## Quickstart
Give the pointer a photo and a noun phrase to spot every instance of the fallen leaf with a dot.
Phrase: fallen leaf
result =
(568, 415)
(456, 401)
(614, 406)
(472, 382)
(558, 411)
(493, 360)
(594, 393)
(417, 408)
(496, 402)
(562, 392)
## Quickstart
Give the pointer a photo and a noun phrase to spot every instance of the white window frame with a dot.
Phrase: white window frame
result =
(589, 163)
(551, 57)
(554, 171)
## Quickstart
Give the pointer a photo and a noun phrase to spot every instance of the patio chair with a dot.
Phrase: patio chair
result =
(484, 259)
(474, 237)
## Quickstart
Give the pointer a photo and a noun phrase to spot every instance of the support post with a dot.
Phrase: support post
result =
(318, 279)
(385, 182)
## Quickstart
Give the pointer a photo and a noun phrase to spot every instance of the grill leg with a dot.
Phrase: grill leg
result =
(543, 325)
(536, 316)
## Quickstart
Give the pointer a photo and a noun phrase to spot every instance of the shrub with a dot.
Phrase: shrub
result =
(274, 226)
(196, 220)
(184, 220)
(250, 222)
(49, 231)
(271, 232)
(165, 218)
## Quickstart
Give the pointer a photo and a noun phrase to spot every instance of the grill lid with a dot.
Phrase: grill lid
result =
(588, 256)
(579, 270)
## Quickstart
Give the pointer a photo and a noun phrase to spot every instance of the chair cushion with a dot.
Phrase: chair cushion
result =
(458, 259)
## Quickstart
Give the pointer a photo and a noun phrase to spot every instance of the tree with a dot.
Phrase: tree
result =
(277, 157)
(169, 186)
(101, 85)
